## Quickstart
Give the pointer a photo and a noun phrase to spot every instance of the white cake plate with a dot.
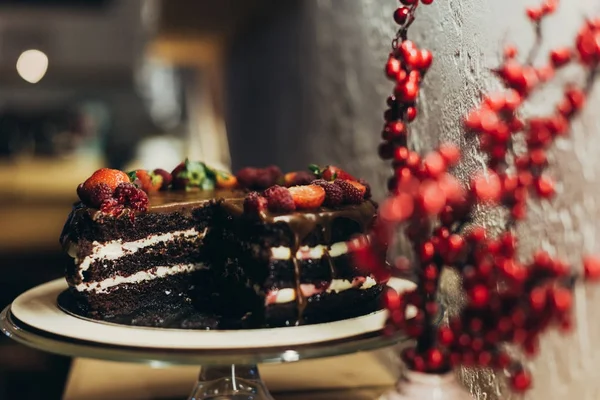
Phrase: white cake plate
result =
(228, 358)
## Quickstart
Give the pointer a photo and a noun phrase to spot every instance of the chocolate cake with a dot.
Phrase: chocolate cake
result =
(198, 248)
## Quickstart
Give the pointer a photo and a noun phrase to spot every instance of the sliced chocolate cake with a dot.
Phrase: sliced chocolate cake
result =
(199, 248)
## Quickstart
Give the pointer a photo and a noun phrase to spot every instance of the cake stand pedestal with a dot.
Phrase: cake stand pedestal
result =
(228, 358)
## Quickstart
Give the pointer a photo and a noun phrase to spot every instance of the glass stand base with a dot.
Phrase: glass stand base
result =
(236, 382)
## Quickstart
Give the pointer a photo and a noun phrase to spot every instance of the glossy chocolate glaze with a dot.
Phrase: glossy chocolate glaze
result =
(164, 202)
(172, 200)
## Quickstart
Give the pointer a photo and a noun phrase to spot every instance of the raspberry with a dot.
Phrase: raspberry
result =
(254, 203)
(111, 206)
(247, 176)
(130, 196)
(334, 195)
(98, 194)
(274, 171)
(351, 194)
(368, 194)
(263, 180)
(267, 177)
(167, 178)
(279, 199)
(259, 178)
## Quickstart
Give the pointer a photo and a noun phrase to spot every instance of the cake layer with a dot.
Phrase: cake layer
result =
(163, 293)
(326, 307)
(115, 282)
(126, 258)
(319, 263)
(288, 294)
(84, 226)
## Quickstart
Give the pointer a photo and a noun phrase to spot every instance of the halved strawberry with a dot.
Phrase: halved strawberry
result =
(362, 188)
(307, 196)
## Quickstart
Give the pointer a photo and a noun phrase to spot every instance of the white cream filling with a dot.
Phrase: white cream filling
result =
(305, 252)
(287, 295)
(116, 249)
(154, 273)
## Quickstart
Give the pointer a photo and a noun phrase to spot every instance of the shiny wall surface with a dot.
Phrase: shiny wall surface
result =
(332, 53)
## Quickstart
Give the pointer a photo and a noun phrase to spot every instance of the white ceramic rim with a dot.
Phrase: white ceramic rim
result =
(38, 308)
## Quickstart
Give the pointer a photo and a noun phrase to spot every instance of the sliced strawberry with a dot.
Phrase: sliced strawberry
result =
(358, 185)
(226, 181)
(307, 196)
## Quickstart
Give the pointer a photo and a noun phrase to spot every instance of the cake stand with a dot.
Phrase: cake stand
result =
(228, 358)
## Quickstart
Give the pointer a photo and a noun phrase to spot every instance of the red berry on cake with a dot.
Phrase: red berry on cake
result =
(112, 207)
(354, 192)
(254, 203)
(307, 196)
(178, 182)
(259, 178)
(247, 176)
(109, 177)
(367, 194)
(99, 193)
(226, 180)
(279, 199)
(267, 177)
(167, 178)
(334, 195)
(131, 197)
(298, 178)
(82, 194)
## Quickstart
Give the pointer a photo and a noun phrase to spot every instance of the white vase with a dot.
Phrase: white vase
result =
(421, 386)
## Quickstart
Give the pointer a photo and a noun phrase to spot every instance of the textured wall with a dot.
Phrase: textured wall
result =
(331, 52)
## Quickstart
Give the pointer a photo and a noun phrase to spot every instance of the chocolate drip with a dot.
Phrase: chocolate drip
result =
(303, 223)
(300, 298)
(330, 261)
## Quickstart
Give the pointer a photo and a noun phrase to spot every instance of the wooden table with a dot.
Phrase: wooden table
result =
(362, 376)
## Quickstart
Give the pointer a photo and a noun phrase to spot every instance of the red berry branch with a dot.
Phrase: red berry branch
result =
(510, 302)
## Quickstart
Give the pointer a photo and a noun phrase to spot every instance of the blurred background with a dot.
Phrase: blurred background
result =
(91, 83)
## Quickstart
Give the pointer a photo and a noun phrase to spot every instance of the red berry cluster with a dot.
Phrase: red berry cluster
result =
(306, 197)
(508, 301)
(126, 196)
(111, 191)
